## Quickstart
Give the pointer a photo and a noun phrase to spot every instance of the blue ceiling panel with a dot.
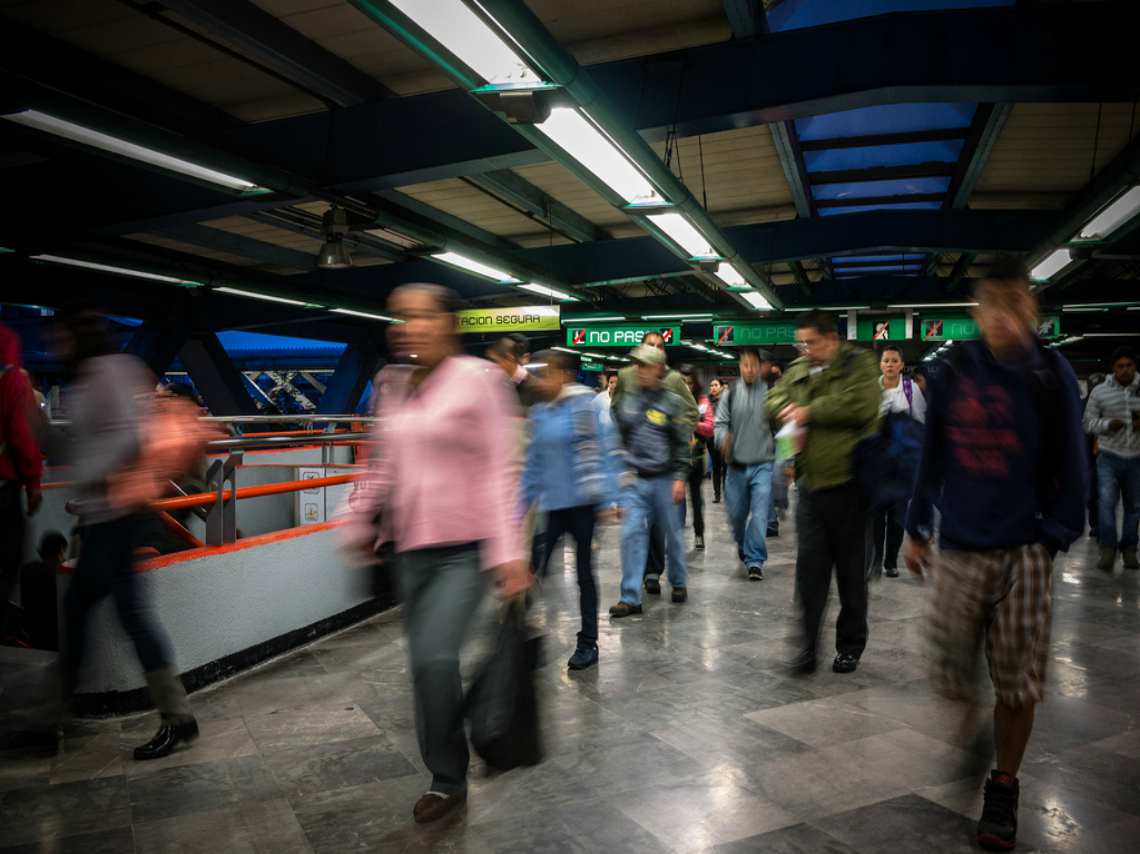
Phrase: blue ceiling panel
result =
(913, 257)
(885, 118)
(796, 14)
(886, 268)
(894, 187)
(908, 154)
(905, 206)
(246, 344)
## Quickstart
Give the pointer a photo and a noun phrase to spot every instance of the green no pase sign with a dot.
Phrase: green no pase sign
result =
(962, 328)
(755, 333)
(619, 336)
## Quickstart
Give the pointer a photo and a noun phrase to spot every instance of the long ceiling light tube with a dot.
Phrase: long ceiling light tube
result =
(115, 145)
(546, 291)
(457, 259)
(354, 313)
(118, 271)
(238, 292)
(1116, 214)
(1051, 264)
(677, 228)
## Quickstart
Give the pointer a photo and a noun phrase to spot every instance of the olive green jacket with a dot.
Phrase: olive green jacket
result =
(674, 382)
(844, 401)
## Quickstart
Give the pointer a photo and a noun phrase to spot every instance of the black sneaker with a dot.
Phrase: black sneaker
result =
(773, 530)
(756, 573)
(583, 657)
(891, 572)
(699, 543)
(997, 828)
(653, 586)
(845, 663)
(680, 594)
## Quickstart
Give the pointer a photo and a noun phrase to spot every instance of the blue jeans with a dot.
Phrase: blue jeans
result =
(748, 489)
(1118, 478)
(646, 500)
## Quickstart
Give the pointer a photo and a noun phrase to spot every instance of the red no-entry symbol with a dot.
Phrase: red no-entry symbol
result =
(725, 335)
(579, 336)
(667, 334)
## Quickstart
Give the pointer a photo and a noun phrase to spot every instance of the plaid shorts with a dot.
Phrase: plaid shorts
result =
(1005, 597)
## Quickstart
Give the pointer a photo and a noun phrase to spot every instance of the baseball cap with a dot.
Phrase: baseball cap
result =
(647, 355)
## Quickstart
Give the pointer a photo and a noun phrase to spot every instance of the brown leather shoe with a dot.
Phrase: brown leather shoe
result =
(433, 806)
(624, 609)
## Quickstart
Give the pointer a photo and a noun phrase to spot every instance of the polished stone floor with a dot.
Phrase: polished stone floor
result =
(687, 737)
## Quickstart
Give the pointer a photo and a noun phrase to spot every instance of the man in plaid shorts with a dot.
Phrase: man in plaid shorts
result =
(1004, 462)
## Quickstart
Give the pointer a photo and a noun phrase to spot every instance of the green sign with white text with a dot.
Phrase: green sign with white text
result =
(619, 336)
(962, 328)
(754, 333)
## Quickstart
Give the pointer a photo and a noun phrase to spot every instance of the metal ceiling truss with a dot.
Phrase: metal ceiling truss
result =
(511, 189)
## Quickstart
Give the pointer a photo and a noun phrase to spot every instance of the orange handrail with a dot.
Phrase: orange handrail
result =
(290, 433)
(175, 527)
(203, 499)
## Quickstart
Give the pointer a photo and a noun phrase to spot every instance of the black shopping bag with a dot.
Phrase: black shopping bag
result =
(502, 704)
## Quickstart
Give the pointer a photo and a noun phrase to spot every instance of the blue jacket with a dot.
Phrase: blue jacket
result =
(1004, 456)
(572, 459)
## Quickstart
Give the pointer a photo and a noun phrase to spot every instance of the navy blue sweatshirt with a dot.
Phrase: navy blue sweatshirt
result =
(1004, 458)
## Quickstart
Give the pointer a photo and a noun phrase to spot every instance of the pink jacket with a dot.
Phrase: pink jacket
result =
(444, 464)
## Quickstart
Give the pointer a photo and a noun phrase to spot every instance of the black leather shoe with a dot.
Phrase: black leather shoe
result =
(652, 586)
(845, 663)
(803, 664)
(891, 572)
(168, 737)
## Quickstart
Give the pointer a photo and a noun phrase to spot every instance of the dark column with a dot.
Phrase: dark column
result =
(356, 367)
(157, 343)
(220, 383)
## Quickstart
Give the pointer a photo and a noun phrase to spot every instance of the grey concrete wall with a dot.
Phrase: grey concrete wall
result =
(224, 602)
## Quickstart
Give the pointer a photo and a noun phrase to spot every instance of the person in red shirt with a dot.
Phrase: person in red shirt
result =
(21, 465)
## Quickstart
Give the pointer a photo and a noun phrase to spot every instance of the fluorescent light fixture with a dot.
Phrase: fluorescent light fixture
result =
(455, 25)
(356, 313)
(755, 300)
(535, 288)
(684, 234)
(706, 316)
(831, 308)
(564, 350)
(1113, 216)
(476, 267)
(1131, 303)
(1072, 339)
(730, 276)
(575, 321)
(112, 144)
(1084, 308)
(1111, 334)
(108, 268)
(269, 298)
(1050, 265)
(571, 131)
(932, 305)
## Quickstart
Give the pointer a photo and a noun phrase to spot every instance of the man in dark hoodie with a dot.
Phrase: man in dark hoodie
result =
(21, 465)
(1004, 461)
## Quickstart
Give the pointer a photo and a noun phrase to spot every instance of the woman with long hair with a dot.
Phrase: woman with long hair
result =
(716, 389)
(441, 489)
(702, 433)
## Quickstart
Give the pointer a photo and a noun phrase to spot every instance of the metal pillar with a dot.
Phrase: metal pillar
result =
(157, 343)
(218, 381)
(355, 368)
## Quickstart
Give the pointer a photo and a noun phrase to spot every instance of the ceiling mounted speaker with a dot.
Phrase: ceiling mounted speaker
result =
(333, 254)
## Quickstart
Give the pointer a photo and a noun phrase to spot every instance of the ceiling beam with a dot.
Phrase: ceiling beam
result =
(856, 201)
(792, 162)
(900, 138)
(268, 41)
(746, 18)
(881, 173)
(989, 121)
(513, 190)
(238, 244)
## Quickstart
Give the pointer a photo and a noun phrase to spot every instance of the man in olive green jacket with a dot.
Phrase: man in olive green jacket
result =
(832, 393)
(674, 382)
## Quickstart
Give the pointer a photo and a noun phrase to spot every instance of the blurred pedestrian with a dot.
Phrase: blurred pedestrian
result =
(831, 393)
(674, 383)
(604, 398)
(109, 412)
(21, 466)
(440, 489)
(744, 436)
(698, 445)
(510, 356)
(901, 398)
(655, 431)
(1004, 463)
(716, 389)
(1112, 415)
(1093, 446)
(38, 598)
(571, 473)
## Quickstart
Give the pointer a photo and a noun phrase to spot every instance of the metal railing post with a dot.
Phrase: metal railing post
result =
(221, 516)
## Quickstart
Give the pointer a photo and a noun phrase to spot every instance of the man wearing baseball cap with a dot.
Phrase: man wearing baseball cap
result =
(654, 428)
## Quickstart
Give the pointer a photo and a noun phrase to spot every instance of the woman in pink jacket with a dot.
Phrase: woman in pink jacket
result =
(441, 489)
(702, 435)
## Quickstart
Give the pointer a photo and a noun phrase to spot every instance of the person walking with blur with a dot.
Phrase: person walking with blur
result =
(1112, 415)
(831, 393)
(673, 382)
(1004, 463)
(901, 398)
(716, 389)
(698, 444)
(21, 466)
(440, 489)
(744, 436)
(509, 354)
(110, 410)
(571, 473)
(655, 431)
(604, 398)
(1093, 381)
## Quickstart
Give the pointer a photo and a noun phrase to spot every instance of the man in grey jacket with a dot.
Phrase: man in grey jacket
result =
(1112, 414)
(744, 436)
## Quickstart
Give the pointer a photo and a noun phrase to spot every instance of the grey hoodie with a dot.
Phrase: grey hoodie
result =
(1110, 400)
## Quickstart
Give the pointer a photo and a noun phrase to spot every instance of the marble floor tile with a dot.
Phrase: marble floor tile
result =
(189, 789)
(63, 809)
